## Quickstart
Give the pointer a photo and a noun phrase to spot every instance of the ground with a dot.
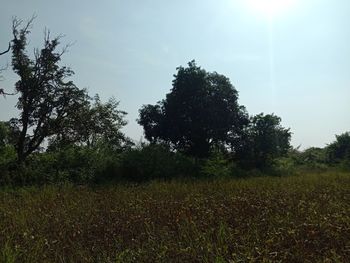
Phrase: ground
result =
(304, 218)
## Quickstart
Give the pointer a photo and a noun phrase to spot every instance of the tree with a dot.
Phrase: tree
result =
(92, 125)
(339, 150)
(200, 111)
(46, 97)
(264, 140)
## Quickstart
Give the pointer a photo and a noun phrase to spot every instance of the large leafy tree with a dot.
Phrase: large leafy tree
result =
(200, 111)
(46, 98)
(264, 140)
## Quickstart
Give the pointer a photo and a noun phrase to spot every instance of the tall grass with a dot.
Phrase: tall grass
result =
(303, 218)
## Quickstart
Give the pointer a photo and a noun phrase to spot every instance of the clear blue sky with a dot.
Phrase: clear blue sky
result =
(296, 65)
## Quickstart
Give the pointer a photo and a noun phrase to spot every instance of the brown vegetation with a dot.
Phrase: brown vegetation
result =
(302, 218)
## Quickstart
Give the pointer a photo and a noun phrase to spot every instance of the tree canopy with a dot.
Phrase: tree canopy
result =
(94, 123)
(265, 139)
(46, 98)
(339, 150)
(200, 111)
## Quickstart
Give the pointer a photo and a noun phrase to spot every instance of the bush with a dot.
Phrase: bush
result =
(72, 164)
(217, 165)
(7, 159)
(84, 164)
(149, 162)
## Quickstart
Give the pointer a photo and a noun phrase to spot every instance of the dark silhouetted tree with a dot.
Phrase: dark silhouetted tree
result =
(200, 111)
(46, 97)
(264, 140)
(339, 150)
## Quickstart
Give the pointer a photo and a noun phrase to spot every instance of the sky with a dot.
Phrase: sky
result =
(292, 60)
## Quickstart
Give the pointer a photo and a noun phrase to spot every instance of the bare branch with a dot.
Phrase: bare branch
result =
(17, 22)
(66, 48)
(3, 93)
(8, 49)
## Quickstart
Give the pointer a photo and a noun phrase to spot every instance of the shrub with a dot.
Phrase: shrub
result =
(149, 162)
(217, 165)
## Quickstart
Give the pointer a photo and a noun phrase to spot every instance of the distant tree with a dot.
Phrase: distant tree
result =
(46, 97)
(200, 111)
(265, 139)
(339, 150)
(92, 125)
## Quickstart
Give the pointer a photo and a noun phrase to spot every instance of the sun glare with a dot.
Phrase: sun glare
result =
(271, 8)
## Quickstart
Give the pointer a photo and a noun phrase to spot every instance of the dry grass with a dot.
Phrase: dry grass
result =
(292, 219)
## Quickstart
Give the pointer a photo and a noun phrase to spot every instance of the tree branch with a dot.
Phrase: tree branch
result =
(2, 92)
(8, 49)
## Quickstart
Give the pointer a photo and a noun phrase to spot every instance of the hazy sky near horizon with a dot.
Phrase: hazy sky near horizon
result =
(296, 64)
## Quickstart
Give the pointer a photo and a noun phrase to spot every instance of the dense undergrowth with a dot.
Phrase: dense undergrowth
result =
(301, 218)
(144, 163)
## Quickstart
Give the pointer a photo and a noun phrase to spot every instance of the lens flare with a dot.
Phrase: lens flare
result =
(271, 8)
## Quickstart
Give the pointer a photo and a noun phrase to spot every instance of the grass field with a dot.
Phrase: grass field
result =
(267, 219)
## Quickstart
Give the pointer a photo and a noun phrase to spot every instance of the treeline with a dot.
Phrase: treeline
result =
(199, 129)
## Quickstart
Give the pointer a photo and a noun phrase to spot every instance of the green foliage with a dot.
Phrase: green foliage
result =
(101, 164)
(265, 139)
(150, 162)
(7, 153)
(198, 129)
(339, 151)
(74, 164)
(45, 97)
(313, 156)
(4, 131)
(8, 254)
(201, 111)
(93, 125)
(217, 165)
(282, 166)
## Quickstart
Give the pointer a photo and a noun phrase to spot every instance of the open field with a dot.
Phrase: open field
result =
(286, 219)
